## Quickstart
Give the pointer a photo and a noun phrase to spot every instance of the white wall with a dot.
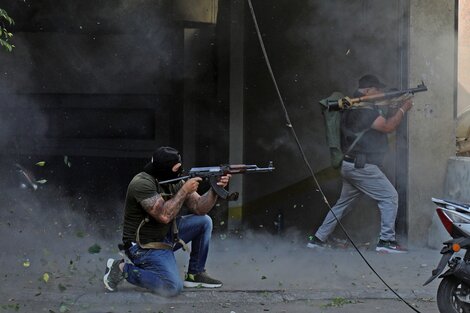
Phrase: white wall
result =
(431, 129)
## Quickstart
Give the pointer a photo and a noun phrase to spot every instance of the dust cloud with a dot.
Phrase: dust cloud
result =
(50, 241)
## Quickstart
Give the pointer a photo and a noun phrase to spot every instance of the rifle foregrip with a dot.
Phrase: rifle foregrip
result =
(221, 192)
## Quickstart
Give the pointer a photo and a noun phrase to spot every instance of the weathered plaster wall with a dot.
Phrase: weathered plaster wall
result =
(431, 128)
(464, 56)
(456, 188)
(456, 183)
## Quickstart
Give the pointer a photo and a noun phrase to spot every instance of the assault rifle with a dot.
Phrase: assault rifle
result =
(214, 172)
(346, 102)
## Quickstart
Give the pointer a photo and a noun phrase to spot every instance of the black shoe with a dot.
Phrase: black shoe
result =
(201, 280)
(389, 247)
(113, 275)
(315, 243)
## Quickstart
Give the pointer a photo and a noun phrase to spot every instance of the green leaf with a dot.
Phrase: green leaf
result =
(5, 16)
(94, 249)
(4, 33)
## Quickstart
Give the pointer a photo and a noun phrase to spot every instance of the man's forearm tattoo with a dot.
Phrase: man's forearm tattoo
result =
(150, 203)
(162, 210)
(204, 203)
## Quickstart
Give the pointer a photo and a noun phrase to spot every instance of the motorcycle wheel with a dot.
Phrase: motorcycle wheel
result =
(447, 296)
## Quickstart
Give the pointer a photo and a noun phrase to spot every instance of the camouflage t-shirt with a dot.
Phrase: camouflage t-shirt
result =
(144, 186)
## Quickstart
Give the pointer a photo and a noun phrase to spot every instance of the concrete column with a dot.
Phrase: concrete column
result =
(464, 56)
(431, 122)
(236, 108)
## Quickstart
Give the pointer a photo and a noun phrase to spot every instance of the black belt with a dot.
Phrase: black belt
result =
(352, 159)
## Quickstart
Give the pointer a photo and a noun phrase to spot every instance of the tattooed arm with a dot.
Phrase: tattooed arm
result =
(164, 211)
(201, 205)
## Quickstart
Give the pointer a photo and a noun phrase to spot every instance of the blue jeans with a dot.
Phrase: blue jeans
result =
(157, 270)
(371, 181)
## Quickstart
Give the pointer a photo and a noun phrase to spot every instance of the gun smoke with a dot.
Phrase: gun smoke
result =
(126, 50)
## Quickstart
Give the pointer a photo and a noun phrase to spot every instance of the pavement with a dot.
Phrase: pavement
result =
(261, 273)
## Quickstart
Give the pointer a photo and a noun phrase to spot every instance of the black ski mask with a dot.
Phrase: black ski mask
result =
(163, 160)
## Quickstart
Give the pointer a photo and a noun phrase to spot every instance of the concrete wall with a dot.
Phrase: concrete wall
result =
(456, 188)
(102, 83)
(86, 71)
(431, 123)
(464, 56)
(457, 181)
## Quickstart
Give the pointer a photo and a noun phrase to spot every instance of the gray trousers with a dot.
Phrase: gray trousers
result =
(371, 181)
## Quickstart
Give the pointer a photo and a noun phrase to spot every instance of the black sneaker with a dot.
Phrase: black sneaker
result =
(113, 275)
(201, 280)
(389, 247)
(314, 243)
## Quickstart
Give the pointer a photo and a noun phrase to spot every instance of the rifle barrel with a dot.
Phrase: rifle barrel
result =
(261, 169)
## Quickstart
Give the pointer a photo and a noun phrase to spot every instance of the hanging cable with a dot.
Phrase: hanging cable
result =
(304, 157)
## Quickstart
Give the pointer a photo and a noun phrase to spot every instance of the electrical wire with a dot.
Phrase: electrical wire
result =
(312, 173)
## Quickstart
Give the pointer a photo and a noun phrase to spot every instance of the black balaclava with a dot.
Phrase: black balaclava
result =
(163, 160)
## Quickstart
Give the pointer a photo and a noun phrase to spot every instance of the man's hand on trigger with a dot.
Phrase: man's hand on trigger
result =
(191, 185)
(223, 180)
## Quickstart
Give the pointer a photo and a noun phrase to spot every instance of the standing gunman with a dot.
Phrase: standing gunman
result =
(153, 229)
(360, 167)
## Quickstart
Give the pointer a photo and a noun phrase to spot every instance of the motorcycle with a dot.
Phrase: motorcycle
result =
(453, 293)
